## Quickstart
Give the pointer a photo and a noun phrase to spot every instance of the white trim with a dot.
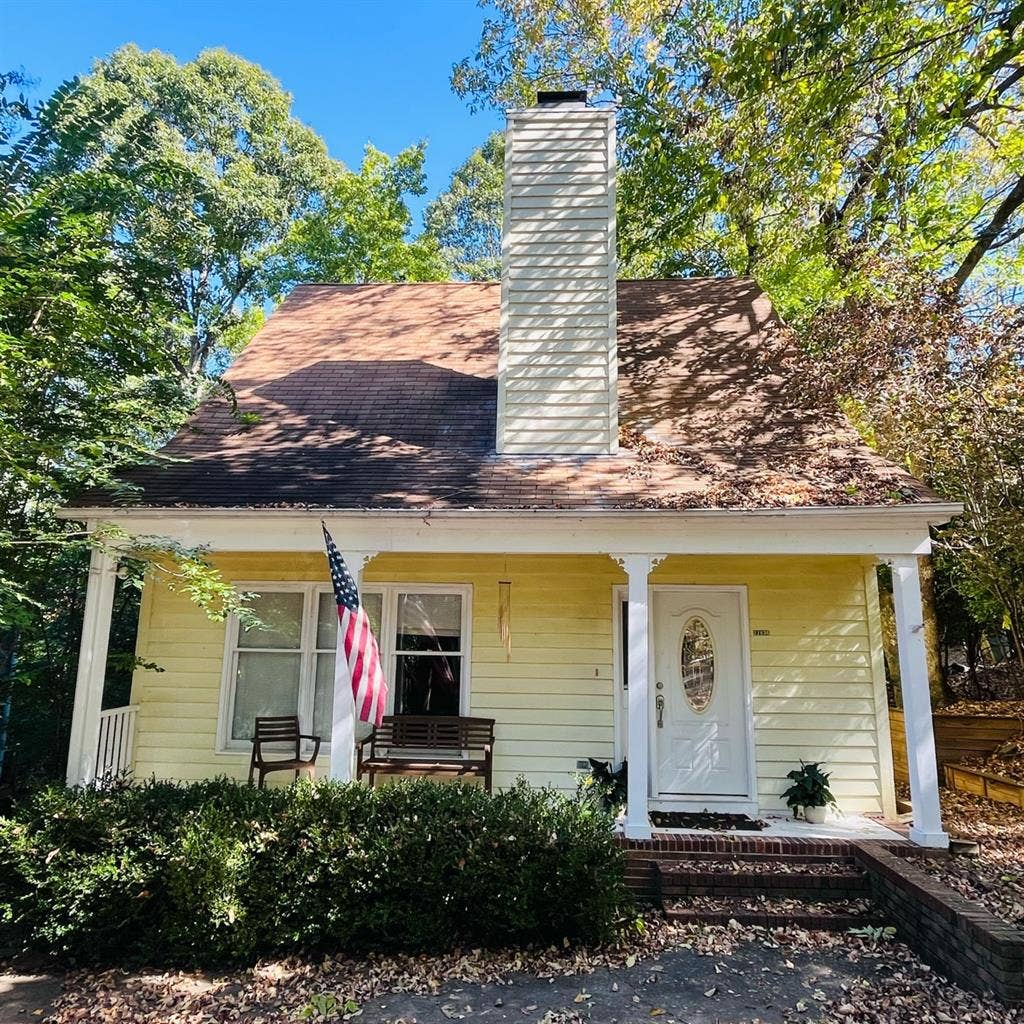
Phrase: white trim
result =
(229, 663)
(92, 663)
(638, 568)
(506, 242)
(933, 512)
(807, 532)
(696, 804)
(917, 705)
(619, 736)
(612, 366)
(883, 736)
(746, 803)
(308, 651)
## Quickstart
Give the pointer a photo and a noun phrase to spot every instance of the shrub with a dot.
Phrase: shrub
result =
(213, 872)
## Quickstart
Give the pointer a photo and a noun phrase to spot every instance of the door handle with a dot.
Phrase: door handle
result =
(660, 705)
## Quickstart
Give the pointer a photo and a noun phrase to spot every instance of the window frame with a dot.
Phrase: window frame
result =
(308, 650)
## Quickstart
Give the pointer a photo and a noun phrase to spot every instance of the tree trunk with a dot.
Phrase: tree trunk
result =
(887, 615)
(936, 677)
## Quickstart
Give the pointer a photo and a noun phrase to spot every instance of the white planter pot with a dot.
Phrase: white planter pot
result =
(815, 815)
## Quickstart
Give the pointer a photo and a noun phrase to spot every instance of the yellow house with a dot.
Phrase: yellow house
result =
(597, 512)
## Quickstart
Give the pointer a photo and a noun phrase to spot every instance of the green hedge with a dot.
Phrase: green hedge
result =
(215, 872)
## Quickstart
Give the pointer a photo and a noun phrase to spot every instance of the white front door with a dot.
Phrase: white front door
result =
(700, 727)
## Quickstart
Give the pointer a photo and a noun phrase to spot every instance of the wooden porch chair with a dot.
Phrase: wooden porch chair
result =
(282, 729)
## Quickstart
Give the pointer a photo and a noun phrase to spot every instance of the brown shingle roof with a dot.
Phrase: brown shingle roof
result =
(384, 396)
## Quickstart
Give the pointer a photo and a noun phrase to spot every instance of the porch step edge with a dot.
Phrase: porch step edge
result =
(769, 919)
(835, 886)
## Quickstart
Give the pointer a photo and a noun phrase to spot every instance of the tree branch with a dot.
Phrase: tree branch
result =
(986, 238)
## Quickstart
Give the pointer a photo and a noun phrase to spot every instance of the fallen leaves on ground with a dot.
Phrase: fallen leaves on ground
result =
(897, 989)
(1009, 766)
(764, 904)
(762, 867)
(275, 992)
(987, 708)
(909, 994)
(995, 877)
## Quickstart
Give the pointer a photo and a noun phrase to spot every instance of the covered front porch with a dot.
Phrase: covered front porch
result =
(599, 613)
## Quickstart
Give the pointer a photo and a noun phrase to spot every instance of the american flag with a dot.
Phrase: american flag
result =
(358, 657)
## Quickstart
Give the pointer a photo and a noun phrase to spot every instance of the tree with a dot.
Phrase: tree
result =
(466, 218)
(83, 388)
(940, 391)
(866, 164)
(359, 231)
(786, 141)
(204, 172)
(148, 214)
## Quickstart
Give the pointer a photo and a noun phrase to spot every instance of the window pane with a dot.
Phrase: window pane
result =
(323, 696)
(281, 615)
(427, 685)
(697, 664)
(624, 645)
(327, 618)
(266, 684)
(429, 622)
(323, 701)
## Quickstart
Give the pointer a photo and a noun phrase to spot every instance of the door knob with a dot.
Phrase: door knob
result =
(660, 705)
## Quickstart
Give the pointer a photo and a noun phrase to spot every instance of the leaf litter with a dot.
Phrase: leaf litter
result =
(899, 989)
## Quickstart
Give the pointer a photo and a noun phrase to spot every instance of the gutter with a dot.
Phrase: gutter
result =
(935, 513)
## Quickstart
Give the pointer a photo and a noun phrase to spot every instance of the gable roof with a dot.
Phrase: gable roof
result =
(384, 396)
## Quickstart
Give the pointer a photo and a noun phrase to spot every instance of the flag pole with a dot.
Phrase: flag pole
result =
(343, 723)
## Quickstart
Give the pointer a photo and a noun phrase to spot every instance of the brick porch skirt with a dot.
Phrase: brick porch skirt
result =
(962, 939)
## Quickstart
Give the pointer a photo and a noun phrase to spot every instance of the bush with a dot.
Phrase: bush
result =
(215, 872)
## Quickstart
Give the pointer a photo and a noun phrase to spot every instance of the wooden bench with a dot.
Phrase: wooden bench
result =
(428, 745)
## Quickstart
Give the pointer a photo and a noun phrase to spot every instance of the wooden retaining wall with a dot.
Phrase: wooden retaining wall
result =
(990, 785)
(955, 737)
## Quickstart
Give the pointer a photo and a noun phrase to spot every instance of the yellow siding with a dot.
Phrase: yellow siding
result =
(816, 684)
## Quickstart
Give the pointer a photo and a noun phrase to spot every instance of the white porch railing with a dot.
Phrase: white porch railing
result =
(115, 743)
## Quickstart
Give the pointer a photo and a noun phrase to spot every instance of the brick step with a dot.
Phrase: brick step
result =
(671, 856)
(772, 919)
(733, 845)
(674, 882)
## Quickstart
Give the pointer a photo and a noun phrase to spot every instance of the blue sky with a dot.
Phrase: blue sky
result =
(359, 70)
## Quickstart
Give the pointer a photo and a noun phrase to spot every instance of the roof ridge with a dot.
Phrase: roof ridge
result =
(491, 284)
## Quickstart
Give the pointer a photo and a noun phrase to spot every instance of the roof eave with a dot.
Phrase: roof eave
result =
(933, 512)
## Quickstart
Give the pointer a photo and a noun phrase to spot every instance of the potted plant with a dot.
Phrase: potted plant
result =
(810, 791)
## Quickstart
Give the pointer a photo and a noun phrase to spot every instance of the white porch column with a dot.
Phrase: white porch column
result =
(343, 720)
(638, 569)
(917, 707)
(92, 663)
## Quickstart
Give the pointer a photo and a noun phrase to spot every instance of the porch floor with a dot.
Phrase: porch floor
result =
(853, 827)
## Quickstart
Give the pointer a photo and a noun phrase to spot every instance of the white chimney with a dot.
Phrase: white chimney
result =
(557, 360)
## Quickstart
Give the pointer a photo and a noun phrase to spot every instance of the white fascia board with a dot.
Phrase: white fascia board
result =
(861, 530)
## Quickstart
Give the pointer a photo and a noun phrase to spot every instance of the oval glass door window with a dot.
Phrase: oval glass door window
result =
(697, 664)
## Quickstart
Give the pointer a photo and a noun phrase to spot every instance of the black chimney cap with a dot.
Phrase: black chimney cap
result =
(561, 96)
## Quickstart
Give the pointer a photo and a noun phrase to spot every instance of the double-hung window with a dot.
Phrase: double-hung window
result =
(286, 666)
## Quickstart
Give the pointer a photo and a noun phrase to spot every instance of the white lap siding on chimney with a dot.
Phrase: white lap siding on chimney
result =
(557, 363)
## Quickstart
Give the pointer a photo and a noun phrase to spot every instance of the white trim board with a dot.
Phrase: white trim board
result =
(859, 531)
